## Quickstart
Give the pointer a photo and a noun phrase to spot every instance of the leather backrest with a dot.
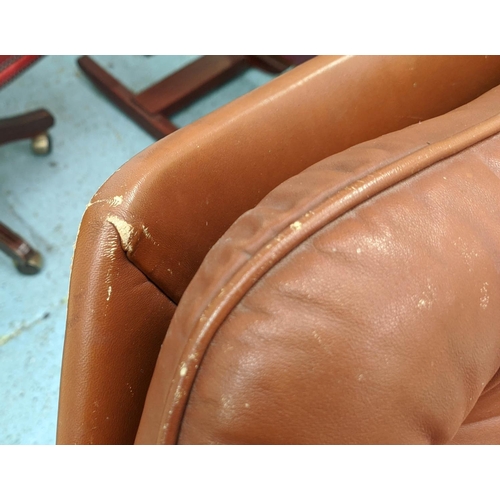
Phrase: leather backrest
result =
(359, 302)
(147, 230)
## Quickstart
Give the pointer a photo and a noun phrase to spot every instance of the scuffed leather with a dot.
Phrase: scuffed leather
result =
(358, 303)
(147, 230)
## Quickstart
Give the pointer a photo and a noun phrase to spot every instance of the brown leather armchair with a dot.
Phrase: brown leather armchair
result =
(301, 290)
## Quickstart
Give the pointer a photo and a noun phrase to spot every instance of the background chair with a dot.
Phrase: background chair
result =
(34, 126)
(148, 229)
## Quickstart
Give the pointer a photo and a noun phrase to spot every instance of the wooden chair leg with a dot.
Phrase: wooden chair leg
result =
(26, 259)
(152, 107)
(157, 125)
(33, 125)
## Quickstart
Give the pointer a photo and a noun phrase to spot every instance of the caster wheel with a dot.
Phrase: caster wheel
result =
(31, 264)
(41, 144)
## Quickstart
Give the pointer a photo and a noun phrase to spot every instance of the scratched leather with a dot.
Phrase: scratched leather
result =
(382, 326)
(149, 227)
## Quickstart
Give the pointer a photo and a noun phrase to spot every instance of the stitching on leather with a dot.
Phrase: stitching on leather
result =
(306, 225)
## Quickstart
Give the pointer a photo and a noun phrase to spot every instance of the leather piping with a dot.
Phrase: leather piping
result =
(270, 254)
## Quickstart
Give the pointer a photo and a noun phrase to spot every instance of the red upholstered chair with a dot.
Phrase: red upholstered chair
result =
(316, 262)
(32, 125)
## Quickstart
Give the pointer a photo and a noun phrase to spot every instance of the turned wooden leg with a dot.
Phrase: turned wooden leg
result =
(26, 259)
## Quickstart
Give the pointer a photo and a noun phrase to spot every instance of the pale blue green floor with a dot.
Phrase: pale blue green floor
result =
(43, 199)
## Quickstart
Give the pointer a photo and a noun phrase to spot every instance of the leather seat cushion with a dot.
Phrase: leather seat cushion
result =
(357, 303)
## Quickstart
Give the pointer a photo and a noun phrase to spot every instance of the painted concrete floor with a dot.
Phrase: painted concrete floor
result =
(43, 199)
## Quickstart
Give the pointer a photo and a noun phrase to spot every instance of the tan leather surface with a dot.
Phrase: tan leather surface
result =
(164, 209)
(115, 315)
(222, 165)
(357, 303)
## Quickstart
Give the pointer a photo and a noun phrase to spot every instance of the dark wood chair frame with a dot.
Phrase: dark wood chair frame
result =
(34, 126)
(152, 107)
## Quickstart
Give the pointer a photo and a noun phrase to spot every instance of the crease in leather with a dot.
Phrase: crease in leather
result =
(80, 387)
(308, 224)
(128, 255)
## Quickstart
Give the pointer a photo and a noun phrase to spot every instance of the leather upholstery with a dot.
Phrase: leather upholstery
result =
(267, 374)
(357, 303)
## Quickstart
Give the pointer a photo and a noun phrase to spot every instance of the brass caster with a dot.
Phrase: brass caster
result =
(41, 144)
(30, 264)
